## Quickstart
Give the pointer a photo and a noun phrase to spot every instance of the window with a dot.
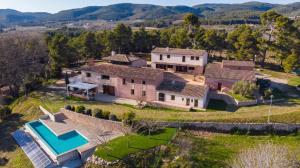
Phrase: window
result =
(88, 74)
(161, 97)
(132, 80)
(124, 81)
(192, 68)
(183, 58)
(132, 91)
(182, 99)
(192, 57)
(144, 93)
(160, 57)
(172, 97)
(144, 82)
(197, 58)
(105, 77)
(168, 56)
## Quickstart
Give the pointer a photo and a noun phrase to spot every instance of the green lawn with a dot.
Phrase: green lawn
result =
(294, 81)
(217, 150)
(239, 97)
(123, 146)
(26, 109)
(282, 111)
(277, 74)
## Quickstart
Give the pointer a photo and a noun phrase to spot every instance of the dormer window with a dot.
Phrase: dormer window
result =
(144, 82)
(132, 80)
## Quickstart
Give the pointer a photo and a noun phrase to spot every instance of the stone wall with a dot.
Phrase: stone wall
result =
(229, 127)
(246, 103)
(101, 124)
(230, 100)
(221, 96)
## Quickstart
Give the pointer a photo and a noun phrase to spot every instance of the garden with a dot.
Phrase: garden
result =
(129, 144)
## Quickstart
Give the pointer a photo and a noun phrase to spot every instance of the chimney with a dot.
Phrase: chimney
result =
(113, 53)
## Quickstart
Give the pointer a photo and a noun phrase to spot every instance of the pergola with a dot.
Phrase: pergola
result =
(82, 86)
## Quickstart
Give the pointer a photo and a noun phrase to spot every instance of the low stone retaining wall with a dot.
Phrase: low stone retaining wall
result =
(230, 100)
(94, 122)
(130, 161)
(245, 103)
(221, 96)
(231, 127)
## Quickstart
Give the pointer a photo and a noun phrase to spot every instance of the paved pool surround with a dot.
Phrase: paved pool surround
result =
(58, 144)
(67, 136)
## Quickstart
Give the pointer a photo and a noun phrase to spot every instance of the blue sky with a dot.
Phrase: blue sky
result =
(53, 6)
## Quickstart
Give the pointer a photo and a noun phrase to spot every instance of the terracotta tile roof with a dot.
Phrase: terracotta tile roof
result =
(182, 88)
(121, 58)
(125, 71)
(215, 70)
(187, 52)
(238, 63)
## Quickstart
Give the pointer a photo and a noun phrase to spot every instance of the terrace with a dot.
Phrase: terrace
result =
(67, 136)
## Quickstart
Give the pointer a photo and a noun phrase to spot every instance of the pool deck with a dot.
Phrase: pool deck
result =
(92, 134)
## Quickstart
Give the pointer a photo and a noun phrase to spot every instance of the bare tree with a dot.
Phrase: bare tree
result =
(141, 101)
(148, 126)
(266, 155)
(22, 56)
(103, 137)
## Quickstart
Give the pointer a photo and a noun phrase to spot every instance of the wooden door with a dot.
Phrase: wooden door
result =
(110, 90)
(187, 101)
(195, 103)
(219, 86)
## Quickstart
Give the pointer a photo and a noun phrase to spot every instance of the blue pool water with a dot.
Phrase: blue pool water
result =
(58, 144)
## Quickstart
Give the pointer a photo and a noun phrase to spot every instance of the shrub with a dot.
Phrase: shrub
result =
(73, 108)
(244, 88)
(268, 93)
(263, 83)
(113, 117)
(128, 118)
(80, 109)
(97, 113)
(6, 100)
(105, 115)
(88, 112)
(5, 111)
(277, 93)
(68, 107)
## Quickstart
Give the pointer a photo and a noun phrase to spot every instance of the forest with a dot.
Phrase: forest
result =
(28, 59)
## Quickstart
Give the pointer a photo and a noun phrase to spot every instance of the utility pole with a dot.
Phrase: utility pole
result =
(269, 114)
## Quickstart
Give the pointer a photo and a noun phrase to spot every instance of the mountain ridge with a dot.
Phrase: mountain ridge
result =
(130, 11)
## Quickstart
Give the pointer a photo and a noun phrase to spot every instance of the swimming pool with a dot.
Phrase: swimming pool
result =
(57, 144)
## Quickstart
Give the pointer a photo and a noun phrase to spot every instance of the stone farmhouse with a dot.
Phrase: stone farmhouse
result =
(128, 77)
(141, 84)
(179, 60)
(225, 74)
